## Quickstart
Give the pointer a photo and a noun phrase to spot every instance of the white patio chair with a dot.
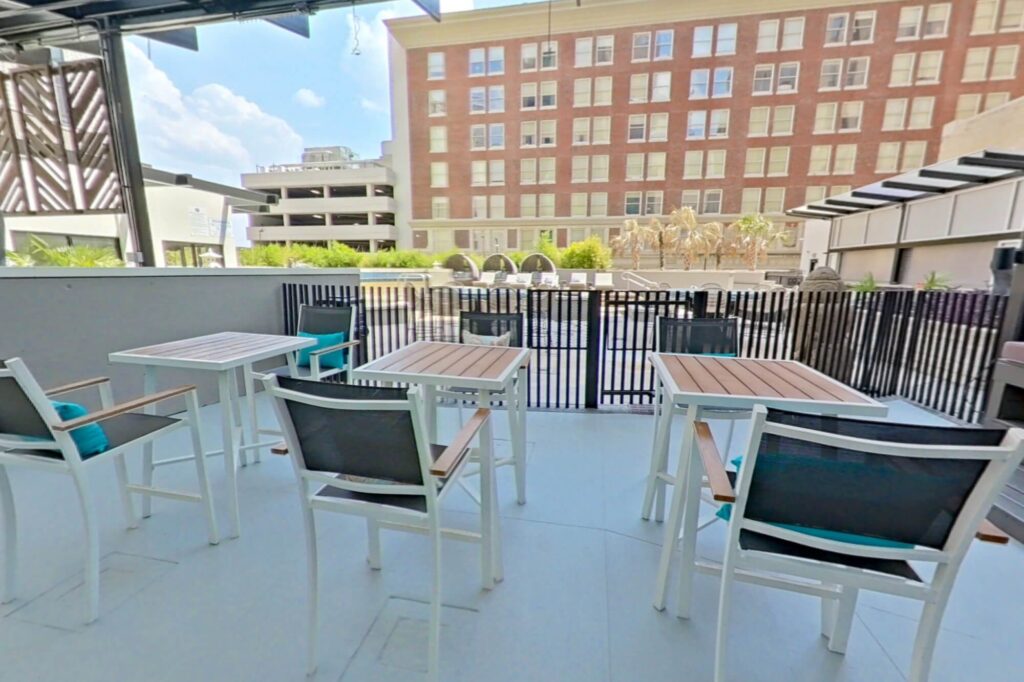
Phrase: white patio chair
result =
(604, 281)
(487, 279)
(578, 280)
(549, 279)
(364, 451)
(321, 320)
(828, 508)
(33, 435)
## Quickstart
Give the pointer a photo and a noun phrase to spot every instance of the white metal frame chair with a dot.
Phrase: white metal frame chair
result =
(32, 435)
(487, 279)
(928, 502)
(604, 281)
(364, 451)
(325, 319)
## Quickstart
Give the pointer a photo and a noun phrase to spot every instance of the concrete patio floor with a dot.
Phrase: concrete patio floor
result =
(575, 604)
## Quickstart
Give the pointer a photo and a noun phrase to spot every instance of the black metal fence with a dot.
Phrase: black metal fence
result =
(591, 348)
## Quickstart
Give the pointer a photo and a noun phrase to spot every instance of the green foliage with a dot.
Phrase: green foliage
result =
(42, 254)
(866, 285)
(397, 259)
(264, 256)
(548, 248)
(517, 257)
(589, 254)
(935, 282)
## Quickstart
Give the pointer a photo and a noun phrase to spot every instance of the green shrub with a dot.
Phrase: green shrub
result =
(866, 285)
(517, 257)
(397, 259)
(589, 254)
(41, 253)
(264, 256)
(548, 248)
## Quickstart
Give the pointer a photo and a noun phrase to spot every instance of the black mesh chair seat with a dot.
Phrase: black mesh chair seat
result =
(411, 502)
(766, 543)
(698, 336)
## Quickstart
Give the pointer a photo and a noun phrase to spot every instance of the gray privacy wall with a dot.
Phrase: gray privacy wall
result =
(65, 322)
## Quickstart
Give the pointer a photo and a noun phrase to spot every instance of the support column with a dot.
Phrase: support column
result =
(126, 144)
(3, 242)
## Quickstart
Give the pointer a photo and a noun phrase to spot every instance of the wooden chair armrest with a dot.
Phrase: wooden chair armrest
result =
(336, 347)
(85, 383)
(122, 408)
(989, 532)
(718, 481)
(279, 449)
(452, 456)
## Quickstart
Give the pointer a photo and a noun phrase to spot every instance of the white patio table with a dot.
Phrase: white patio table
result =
(693, 383)
(223, 353)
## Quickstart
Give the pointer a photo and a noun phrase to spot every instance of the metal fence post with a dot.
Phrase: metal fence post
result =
(592, 395)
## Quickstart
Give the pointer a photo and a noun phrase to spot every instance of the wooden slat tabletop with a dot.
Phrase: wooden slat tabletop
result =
(742, 382)
(448, 364)
(223, 350)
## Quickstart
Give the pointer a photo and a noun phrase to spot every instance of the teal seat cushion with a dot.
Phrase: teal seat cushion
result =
(90, 439)
(334, 360)
(719, 355)
(725, 513)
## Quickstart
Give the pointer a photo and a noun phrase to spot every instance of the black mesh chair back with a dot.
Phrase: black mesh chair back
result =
(902, 499)
(18, 416)
(377, 444)
(493, 324)
(698, 336)
(321, 319)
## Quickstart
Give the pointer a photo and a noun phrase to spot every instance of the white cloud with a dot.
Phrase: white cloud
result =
(369, 105)
(212, 132)
(308, 98)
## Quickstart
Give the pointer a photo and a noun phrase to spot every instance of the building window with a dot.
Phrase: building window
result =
(634, 167)
(750, 200)
(996, 99)
(863, 29)
(759, 121)
(528, 134)
(914, 155)
(976, 64)
(929, 67)
(696, 125)
(921, 110)
(599, 204)
(703, 41)
(1013, 15)
(631, 204)
(712, 201)
(850, 114)
(764, 79)
(937, 23)
(813, 195)
(821, 159)
(496, 136)
(549, 94)
(435, 66)
(546, 206)
(641, 47)
(477, 137)
(661, 86)
(659, 128)
(496, 99)
(477, 62)
(497, 205)
(856, 72)
(637, 128)
(528, 57)
(439, 208)
(437, 104)
(825, 117)
(690, 199)
(831, 73)
(888, 160)
(723, 82)
(605, 51)
(581, 131)
(602, 130)
(495, 61)
(768, 35)
(603, 91)
(581, 169)
(699, 81)
(528, 96)
(835, 29)
(479, 204)
(548, 132)
(774, 199)
(584, 52)
(653, 203)
(726, 43)
(845, 159)
(793, 33)
(985, 14)
(693, 165)
(967, 106)
(656, 165)
(528, 171)
(778, 161)
(438, 174)
(578, 205)
(527, 205)
(549, 55)
(789, 77)
(478, 174)
(782, 123)
(719, 125)
(1004, 62)
(638, 88)
(438, 139)
(716, 164)
(546, 174)
(895, 114)
(909, 26)
(753, 167)
(478, 100)
(599, 168)
(581, 92)
(663, 44)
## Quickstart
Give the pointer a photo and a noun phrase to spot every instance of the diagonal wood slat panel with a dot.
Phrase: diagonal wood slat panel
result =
(56, 148)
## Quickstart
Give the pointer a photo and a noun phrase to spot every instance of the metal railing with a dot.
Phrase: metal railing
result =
(591, 348)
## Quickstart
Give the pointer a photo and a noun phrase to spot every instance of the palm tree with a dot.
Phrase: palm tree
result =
(664, 237)
(757, 234)
(713, 236)
(78, 256)
(633, 239)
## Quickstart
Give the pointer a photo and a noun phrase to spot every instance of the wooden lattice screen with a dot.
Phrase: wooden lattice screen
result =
(56, 149)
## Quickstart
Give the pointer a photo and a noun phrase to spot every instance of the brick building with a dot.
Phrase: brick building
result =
(636, 107)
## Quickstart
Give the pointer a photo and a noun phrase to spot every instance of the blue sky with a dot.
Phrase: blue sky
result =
(256, 94)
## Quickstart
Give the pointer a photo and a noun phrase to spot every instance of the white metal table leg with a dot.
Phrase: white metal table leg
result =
(662, 429)
(518, 426)
(490, 523)
(236, 412)
(683, 493)
(430, 408)
(250, 403)
(148, 388)
(227, 421)
(691, 516)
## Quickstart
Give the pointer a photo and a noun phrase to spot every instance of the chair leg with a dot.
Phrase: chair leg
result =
(92, 549)
(434, 652)
(927, 634)
(724, 604)
(373, 533)
(250, 403)
(842, 622)
(727, 453)
(312, 587)
(10, 538)
(192, 405)
(121, 469)
(518, 402)
(148, 388)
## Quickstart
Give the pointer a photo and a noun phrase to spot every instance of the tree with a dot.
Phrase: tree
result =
(589, 254)
(632, 241)
(665, 238)
(714, 242)
(757, 234)
(42, 253)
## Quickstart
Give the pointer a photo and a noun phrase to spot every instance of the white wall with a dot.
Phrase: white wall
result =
(184, 214)
(401, 155)
(815, 243)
